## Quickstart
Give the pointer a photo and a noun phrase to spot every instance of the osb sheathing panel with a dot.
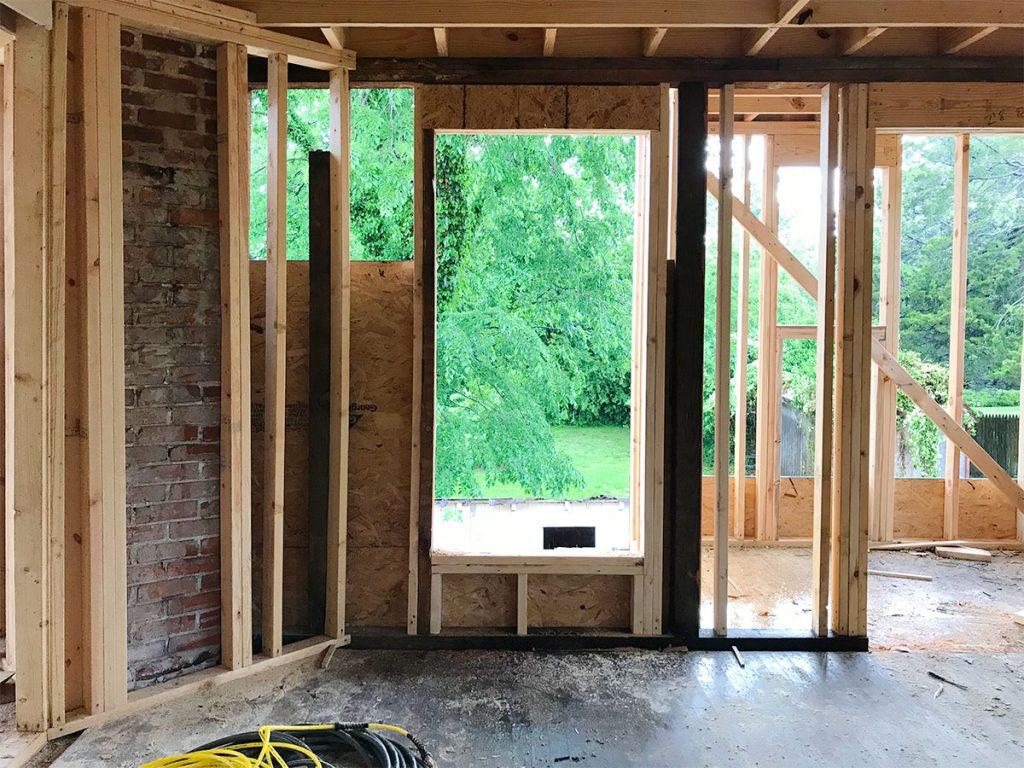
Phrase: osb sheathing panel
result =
(917, 512)
(579, 601)
(380, 442)
(707, 505)
(379, 438)
(478, 600)
(984, 512)
(539, 107)
(296, 465)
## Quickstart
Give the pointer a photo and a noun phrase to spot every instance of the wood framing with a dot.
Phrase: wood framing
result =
(275, 370)
(1020, 445)
(723, 357)
(337, 506)
(218, 23)
(543, 109)
(824, 367)
(883, 457)
(236, 440)
(934, 106)
(853, 363)
(957, 328)
(95, 532)
(35, 79)
(742, 333)
(767, 411)
(646, 13)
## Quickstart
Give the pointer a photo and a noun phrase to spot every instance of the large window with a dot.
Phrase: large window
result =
(535, 297)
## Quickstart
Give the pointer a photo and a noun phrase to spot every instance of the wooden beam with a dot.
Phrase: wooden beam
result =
(235, 433)
(742, 333)
(34, 283)
(215, 23)
(436, 602)
(650, 39)
(757, 39)
(852, 39)
(441, 40)
(934, 106)
(853, 364)
(335, 37)
(883, 459)
(767, 391)
(276, 367)
(824, 367)
(522, 604)
(550, 35)
(685, 368)
(7, 515)
(770, 104)
(96, 591)
(957, 330)
(565, 70)
(723, 357)
(642, 13)
(337, 509)
(956, 40)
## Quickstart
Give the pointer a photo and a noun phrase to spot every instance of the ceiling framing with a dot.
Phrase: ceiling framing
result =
(683, 28)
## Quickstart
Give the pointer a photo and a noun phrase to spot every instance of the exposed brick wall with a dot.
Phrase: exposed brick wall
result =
(172, 355)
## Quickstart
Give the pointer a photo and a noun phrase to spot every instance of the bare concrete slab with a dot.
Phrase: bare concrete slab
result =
(620, 708)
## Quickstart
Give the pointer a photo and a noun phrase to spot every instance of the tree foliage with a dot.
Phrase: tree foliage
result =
(534, 303)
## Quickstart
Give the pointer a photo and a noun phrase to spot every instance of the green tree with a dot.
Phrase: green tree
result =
(534, 303)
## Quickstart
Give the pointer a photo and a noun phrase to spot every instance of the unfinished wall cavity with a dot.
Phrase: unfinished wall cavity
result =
(172, 355)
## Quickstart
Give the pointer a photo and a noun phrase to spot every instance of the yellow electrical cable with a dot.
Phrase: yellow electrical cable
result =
(269, 757)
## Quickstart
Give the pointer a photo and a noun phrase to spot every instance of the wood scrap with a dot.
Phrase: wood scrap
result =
(965, 553)
(739, 656)
(328, 654)
(946, 680)
(909, 545)
(899, 575)
(1018, 618)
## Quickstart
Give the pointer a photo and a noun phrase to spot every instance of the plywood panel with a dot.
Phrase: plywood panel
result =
(541, 106)
(918, 508)
(441, 106)
(478, 600)
(492, 107)
(796, 504)
(376, 586)
(579, 601)
(707, 499)
(614, 108)
(597, 41)
(985, 512)
(393, 41)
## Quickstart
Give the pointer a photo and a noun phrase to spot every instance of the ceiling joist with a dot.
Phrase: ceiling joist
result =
(550, 35)
(763, 14)
(853, 39)
(956, 40)
(651, 38)
(441, 40)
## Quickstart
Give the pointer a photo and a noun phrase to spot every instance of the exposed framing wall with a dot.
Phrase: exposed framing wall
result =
(62, 614)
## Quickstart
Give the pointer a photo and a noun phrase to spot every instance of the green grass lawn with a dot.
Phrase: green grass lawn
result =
(601, 454)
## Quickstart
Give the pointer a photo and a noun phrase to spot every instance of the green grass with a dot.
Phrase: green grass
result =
(601, 454)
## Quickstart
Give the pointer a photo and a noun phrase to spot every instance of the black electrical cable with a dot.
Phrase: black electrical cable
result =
(371, 745)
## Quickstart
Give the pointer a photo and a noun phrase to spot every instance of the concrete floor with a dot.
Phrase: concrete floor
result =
(620, 708)
(630, 708)
(967, 606)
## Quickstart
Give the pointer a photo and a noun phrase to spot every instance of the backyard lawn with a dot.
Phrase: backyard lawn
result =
(601, 454)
